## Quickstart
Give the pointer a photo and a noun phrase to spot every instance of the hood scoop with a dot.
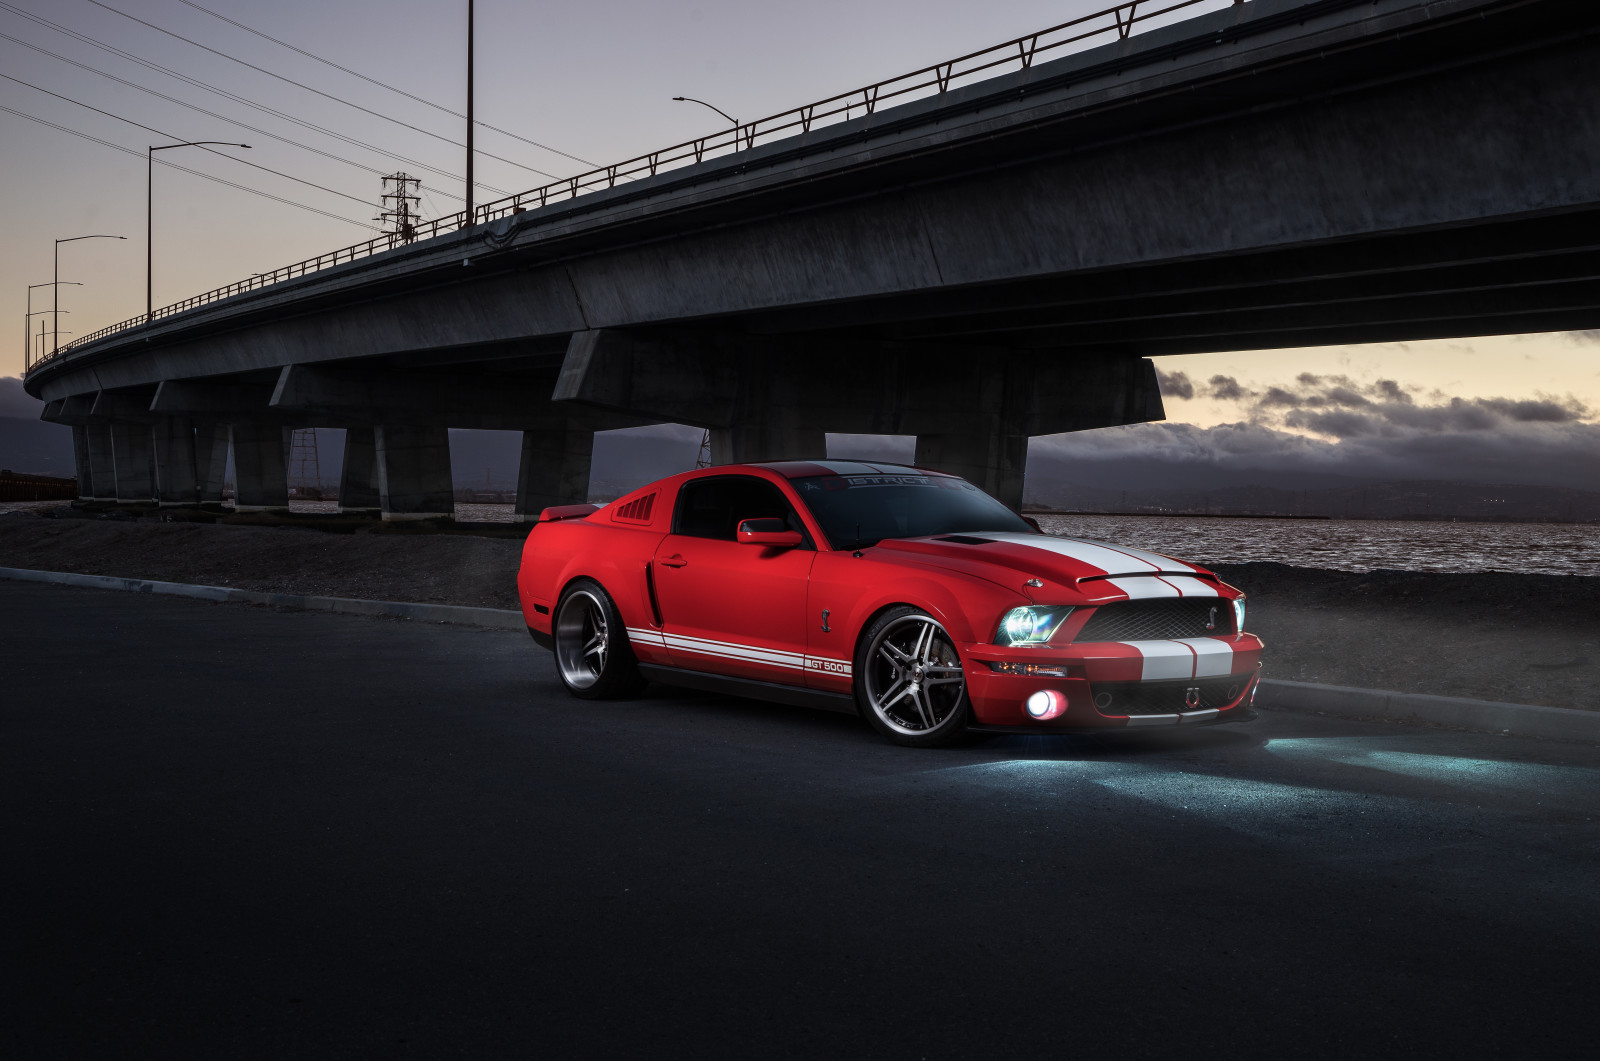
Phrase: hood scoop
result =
(965, 539)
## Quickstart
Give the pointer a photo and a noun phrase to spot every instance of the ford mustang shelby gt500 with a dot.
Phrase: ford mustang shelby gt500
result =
(907, 595)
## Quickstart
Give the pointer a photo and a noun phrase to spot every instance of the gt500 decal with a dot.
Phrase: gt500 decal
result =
(770, 657)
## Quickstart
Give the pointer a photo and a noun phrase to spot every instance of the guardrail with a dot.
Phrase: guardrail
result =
(938, 79)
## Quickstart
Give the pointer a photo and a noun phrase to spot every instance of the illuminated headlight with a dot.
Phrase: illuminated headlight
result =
(1238, 615)
(1030, 625)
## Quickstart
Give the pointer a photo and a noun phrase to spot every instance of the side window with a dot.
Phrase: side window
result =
(713, 507)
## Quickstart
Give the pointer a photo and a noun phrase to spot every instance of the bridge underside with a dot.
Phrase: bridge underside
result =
(1385, 171)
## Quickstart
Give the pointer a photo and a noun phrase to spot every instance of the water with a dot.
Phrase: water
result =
(1352, 545)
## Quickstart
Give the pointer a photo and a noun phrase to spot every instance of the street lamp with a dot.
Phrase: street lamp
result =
(55, 291)
(149, 209)
(703, 103)
(27, 337)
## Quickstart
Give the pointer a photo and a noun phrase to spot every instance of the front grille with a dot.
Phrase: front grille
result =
(1158, 620)
(1166, 698)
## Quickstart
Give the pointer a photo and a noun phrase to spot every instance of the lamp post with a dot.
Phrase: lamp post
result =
(703, 103)
(55, 290)
(149, 210)
(27, 336)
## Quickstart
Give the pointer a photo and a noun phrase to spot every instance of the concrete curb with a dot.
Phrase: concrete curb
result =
(1522, 720)
(492, 618)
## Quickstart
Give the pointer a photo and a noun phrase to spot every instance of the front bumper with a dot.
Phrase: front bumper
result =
(1111, 685)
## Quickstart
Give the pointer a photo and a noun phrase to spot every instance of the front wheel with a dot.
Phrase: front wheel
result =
(909, 684)
(593, 656)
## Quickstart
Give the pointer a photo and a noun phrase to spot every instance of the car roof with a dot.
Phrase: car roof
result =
(807, 469)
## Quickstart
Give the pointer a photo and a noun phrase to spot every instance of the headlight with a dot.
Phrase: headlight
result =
(1030, 625)
(1238, 615)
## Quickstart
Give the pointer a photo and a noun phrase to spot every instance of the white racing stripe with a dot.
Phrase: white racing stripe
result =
(1164, 660)
(1144, 587)
(1189, 657)
(1212, 658)
(771, 657)
(1176, 579)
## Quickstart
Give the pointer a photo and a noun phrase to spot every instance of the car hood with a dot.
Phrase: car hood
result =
(1068, 569)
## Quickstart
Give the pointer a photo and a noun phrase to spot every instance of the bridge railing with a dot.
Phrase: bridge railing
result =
(1018, 54)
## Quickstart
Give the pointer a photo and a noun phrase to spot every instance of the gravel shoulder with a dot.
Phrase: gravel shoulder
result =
(1532, 639)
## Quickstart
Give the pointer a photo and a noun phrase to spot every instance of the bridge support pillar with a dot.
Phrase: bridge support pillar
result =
(992, 461)
(554, 469)
(782, 432)
(210, 461)
(260, 467)
(414, 473)
(80, 459)
(176, 480)
(102, 468)
(358, 482)
(130, 459)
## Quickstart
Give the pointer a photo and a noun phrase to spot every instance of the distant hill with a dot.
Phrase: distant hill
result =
(35, 447)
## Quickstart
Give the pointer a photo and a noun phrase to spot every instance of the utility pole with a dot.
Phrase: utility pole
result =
(403, 215)
(469, 113)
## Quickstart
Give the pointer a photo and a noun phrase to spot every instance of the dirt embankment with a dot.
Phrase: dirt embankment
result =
(1531, 639)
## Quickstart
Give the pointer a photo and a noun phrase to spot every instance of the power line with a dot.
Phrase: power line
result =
(186, 169)
(380, 84)
(240, 99)
(308, 88)
(172, 136)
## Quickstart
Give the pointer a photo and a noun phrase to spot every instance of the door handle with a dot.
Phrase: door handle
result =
(674, 561)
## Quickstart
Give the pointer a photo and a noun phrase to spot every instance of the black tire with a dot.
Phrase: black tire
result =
(909, 684)
(593, 656)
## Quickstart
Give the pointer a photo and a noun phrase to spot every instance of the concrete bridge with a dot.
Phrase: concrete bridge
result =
(987, 263)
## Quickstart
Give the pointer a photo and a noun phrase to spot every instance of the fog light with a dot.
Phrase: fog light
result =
(1046, 704)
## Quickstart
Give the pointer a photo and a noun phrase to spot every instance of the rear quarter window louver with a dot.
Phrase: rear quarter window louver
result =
(636, 511)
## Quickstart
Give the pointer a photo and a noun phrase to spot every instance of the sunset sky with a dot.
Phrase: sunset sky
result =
(594, 82)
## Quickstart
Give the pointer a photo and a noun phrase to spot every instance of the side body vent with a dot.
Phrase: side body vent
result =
(635, 511)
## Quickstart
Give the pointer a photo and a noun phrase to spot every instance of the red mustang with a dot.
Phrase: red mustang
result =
(905, 595)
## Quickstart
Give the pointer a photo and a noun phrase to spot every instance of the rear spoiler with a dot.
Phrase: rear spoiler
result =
(561, 512)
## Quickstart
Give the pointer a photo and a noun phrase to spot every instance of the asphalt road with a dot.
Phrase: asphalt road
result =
(232, 832)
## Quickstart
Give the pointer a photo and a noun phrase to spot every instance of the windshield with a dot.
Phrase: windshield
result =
(857, 510)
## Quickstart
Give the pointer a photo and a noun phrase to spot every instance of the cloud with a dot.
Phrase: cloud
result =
(1334, 425)
(1175, 384)
(16, 402)
(1227, 389)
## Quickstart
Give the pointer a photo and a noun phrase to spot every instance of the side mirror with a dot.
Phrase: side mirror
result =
(771, 532)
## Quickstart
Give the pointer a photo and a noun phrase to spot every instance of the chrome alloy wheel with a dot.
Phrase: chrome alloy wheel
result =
(583, 639)
(914, 681)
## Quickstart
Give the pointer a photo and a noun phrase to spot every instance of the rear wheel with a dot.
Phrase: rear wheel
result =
(909, 681)
(593, 656)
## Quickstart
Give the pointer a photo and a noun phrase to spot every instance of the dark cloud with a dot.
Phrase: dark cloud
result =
(1547, 442)
(1339, 423)
(1389, 390)
(1227, 389)
(1546, 410)
(1175, 384)
(1279, 396)
(16, 402)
